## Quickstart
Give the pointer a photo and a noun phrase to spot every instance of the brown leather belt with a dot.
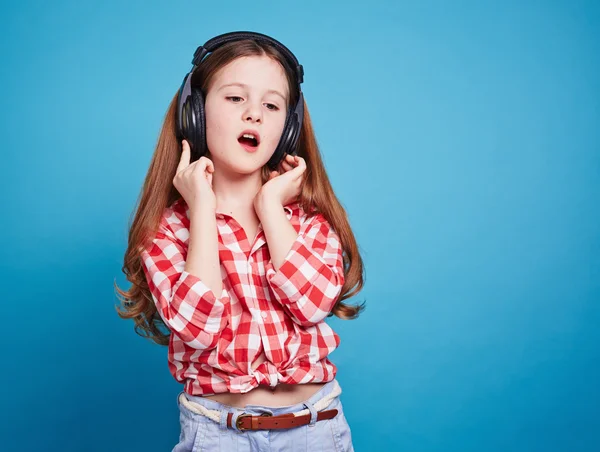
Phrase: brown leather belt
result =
(267, 421)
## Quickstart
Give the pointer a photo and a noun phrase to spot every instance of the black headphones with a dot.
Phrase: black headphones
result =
(191, 120)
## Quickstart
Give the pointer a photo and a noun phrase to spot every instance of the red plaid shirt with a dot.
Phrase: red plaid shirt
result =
(214, 340)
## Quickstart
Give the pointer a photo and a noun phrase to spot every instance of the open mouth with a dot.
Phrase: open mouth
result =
(249, 140)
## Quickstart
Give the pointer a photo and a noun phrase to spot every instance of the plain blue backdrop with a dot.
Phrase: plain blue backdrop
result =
(462, 138)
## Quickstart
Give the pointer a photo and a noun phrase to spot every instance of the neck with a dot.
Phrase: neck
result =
(235, 192)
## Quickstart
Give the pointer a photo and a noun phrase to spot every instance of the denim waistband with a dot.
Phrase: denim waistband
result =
(259, 409)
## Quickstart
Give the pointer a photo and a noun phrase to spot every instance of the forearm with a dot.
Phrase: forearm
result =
(279, 232)
(308, 279)
(203, 249)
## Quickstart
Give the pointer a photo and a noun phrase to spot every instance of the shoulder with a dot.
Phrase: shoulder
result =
(174, 220)
(297, 213)
(306, 219)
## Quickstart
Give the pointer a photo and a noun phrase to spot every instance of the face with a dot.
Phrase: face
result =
(250, 93)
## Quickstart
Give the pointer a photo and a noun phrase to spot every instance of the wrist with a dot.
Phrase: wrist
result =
(203, 210)
(264, 203)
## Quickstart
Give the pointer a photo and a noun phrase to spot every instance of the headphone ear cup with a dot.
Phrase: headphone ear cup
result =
(182, 112)
(284, 145)
(198, 129)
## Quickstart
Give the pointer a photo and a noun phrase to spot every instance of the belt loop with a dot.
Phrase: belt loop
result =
(313, 413)
(223, 421)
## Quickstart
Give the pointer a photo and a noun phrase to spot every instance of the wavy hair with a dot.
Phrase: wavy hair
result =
(158, 193)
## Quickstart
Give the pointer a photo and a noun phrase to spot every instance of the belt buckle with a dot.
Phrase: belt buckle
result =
(243, 415)
(237, 422)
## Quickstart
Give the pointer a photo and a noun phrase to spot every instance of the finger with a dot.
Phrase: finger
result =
(290, 160)
(298, 172)
(184, 160)
(204, 164)
(209, 169)
(288, 167)
(300, 164)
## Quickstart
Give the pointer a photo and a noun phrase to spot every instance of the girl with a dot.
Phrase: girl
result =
(241, 249)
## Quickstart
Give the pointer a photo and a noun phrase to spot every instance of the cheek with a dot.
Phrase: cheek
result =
(215, 128)
(276, 131)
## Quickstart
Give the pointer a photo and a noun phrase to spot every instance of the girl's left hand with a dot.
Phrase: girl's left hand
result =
(284, 186)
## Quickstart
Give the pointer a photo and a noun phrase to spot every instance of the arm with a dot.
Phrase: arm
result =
(306, 270)
(203, 250)
(183, 299)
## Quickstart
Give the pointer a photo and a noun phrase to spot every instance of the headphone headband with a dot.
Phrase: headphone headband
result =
(217, 41)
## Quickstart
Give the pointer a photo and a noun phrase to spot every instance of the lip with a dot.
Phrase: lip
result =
(253, 132)
(248, 148)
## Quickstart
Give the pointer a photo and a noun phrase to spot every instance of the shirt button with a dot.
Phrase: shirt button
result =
(263, 314)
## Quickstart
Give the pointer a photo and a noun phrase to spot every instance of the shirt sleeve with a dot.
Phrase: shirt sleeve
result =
(311, 277)
(186, 304)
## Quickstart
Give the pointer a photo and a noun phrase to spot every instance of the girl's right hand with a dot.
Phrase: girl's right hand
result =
(193, 180)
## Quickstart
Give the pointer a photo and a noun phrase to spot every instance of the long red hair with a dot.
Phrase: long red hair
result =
(158, 193)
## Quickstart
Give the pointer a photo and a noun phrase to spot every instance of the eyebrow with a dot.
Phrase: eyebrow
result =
(242, 85)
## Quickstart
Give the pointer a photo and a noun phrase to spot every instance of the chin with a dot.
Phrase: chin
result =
(242, 162)
(245, 168)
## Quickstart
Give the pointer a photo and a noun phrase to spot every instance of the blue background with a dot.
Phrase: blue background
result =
(463, 139)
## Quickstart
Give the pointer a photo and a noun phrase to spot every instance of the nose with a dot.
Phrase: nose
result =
(253, 113)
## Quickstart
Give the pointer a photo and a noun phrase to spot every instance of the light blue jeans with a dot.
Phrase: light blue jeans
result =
(200, 433)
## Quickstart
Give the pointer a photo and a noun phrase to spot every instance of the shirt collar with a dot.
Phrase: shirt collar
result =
(289, 208)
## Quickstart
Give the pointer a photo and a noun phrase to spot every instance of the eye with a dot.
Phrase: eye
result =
(233, 97)
(275, 108)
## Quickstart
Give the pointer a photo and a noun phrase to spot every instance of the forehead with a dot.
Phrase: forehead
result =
(261, 72)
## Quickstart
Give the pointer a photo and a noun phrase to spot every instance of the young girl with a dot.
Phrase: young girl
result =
(241, 249)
